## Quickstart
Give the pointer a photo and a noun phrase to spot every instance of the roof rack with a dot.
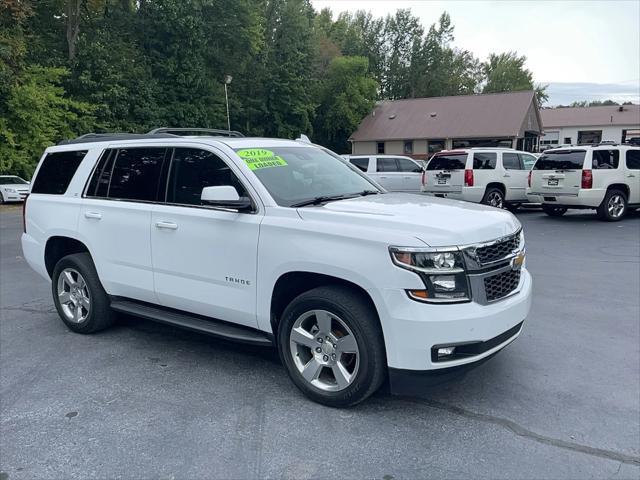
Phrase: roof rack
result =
(106, 137)
(188, 131)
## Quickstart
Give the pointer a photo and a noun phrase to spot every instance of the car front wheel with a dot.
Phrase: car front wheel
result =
(331, 344)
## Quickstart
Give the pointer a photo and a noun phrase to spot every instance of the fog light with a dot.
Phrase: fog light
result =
(445, 351)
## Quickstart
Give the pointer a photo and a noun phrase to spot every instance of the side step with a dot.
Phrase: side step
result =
(193, 322)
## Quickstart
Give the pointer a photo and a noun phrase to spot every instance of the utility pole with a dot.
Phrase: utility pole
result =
(227, 81)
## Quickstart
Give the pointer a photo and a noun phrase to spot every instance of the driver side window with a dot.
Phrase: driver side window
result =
(193, 169)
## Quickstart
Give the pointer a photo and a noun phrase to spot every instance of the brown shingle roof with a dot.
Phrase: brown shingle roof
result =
(590, 116)
(464, 116)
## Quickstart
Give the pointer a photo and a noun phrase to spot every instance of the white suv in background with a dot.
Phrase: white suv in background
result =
(493, 176)
(393, 172)
(276, 243)
(605, 178)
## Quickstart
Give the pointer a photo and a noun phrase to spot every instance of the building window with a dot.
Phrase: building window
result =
(482, 142)
(380, 147)
(408, 147)
(631, 136)
(589, 136)
(567, 140)
(435, 146)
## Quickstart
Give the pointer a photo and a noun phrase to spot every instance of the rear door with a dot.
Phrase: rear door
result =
(606, 167)
(411, 175)
(633, 174)
(445, 173)
(558, 172)
(515, 176)
(388, 174)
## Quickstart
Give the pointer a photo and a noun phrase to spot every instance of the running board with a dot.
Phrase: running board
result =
(192, 322)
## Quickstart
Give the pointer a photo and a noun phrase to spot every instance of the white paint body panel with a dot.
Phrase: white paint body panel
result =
(188, 267)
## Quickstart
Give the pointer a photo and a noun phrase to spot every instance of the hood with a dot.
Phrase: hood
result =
(435, 221)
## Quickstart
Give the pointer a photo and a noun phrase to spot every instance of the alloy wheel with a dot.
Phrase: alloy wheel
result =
(615, 206)
(324, 350)
(73, 295)
(495, 199)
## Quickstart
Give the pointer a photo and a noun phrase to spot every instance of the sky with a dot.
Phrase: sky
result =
(584, 50)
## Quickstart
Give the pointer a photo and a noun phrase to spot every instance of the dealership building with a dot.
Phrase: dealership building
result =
(419, 127)
(580, 125)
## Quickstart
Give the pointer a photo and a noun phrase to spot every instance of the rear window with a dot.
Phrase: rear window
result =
(448, 162)
(136, 174)
(361, 163)
(484, 161)
(561, 160)
(605, 159)
(56, 172)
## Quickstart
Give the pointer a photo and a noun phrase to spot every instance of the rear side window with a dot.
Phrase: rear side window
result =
(605, 159)
(561, 160)
(361, 163)
(136, 174)
(447, 162)
(484, 161)
(408, 166)
(511, 161)
(193, 169)
(56, 172)
(633, 159)
(387, 165)
(99, 183)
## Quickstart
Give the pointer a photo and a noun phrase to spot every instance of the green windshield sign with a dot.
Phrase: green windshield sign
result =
(257, 158)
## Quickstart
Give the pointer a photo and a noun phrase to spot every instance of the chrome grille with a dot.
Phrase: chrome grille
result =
(501, 285)
(497, 251)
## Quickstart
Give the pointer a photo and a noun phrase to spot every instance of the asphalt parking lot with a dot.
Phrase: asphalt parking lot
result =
(143, 400)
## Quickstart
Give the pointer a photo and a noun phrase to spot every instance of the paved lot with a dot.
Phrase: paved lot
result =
(149, 401)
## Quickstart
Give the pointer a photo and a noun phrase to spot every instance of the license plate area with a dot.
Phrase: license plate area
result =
(553, 182)
(441, 181)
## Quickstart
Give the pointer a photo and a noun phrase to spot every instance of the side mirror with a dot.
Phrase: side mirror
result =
(225, 197)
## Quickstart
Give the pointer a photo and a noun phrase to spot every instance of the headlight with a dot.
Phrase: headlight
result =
(10, 190)
(442, 271)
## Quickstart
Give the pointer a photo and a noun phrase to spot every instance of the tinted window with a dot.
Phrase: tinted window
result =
(511, 161)
(361, 163)
(193, 169)
(605, 159)
(136, 173)
(387, 165)
(633, 159)
(484, 161)
(447, 162)
(408, 166)
(56, 172)
(101, 175)
(561, 160)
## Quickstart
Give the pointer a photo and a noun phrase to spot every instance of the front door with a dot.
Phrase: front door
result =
(204, 259)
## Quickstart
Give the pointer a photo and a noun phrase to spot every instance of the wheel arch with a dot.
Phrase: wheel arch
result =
(498, 185)
(60, 246)
(620, 186)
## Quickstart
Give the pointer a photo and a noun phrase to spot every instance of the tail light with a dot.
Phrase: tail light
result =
(468, 178)
(424, 178)
(529, 178)
(587, 179)
(24, 214)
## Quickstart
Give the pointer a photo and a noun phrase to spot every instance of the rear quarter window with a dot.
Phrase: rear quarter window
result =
(633, 159)
(448, 162)
(56, 172)
(605, 159)
(561, 160)
(361, 163)
(484, 161)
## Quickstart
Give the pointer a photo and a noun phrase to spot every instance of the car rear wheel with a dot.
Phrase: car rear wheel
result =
(613, 207)
(82, 303)
(554, 211)
(330, 342)
(494, 198)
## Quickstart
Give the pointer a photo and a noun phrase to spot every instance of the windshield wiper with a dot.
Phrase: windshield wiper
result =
(331, 198)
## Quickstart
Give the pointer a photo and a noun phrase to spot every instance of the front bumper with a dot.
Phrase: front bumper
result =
(412, 328)
(14, 197)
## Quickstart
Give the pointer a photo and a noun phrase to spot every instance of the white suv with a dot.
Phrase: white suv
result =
(393, 172)
(276, 242)
(493, 176)
(605, 178)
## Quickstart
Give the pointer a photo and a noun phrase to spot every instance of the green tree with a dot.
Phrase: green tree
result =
(347, 95)
(505, 72)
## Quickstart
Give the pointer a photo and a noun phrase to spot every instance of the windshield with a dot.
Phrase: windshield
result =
(12, 181)
(296, 174)
(447, 162)
(561, 160)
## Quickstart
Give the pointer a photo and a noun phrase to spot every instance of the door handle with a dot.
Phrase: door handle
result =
(631, 175)
(95, 215)
(407, 178)
(383, 178)
(167, 225)
(506, 175)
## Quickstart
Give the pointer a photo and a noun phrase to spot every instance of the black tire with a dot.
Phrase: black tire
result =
(99, 314)
(362, 321)
(494, 197)
(613, 207)
(1, 198)
(554, 211)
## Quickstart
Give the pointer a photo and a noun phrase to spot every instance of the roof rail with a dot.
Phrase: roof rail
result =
(216, 132)
(106, 137)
